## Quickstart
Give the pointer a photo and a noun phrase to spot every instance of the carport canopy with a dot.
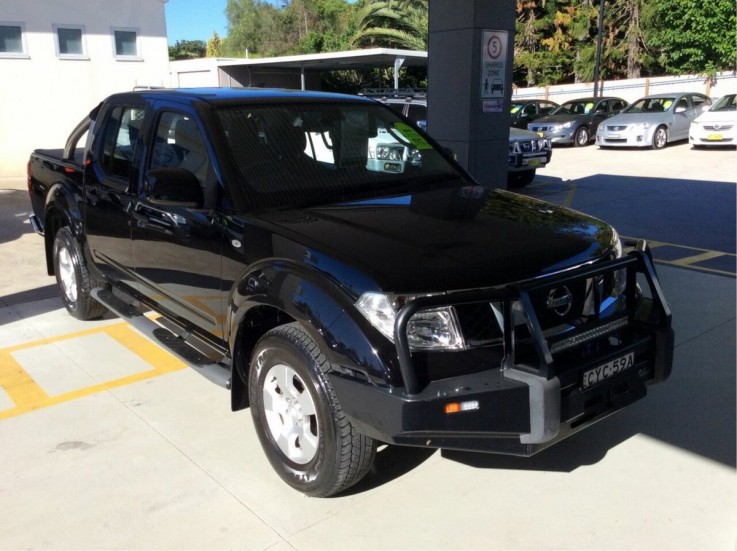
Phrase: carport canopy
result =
(332, 61)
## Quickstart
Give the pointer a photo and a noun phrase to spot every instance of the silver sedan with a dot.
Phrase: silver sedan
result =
(652, 121)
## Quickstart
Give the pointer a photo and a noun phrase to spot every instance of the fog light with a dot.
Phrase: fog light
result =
(458, 407)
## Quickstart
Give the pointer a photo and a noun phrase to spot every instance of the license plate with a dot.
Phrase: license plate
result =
(612, 136)
(534, 163)
(594, 376)
(715, 137)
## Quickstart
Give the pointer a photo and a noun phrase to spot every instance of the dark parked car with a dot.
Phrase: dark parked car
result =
(523, 112)
(575, 122)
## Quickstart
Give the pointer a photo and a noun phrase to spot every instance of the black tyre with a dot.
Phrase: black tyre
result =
(75, 282)
(660, 138)
(582, 137)
(520, 179)
(308, 440)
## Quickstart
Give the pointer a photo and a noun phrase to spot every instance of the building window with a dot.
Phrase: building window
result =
(12, 40)
(126, 44)
(70, 42)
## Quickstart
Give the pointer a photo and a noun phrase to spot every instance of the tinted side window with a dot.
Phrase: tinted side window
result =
(546, 108)
(417, 113)
(697, 101)
(122, 131)
(179, 144)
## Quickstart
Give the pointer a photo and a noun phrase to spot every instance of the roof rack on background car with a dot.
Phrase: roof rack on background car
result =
(393, 92)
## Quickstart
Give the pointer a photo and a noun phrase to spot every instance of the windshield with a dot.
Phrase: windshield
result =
(574, 108)
(650, 105)
(726, 103)
(306, 154)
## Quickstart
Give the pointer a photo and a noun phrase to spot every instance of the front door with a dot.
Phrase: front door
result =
(177, 250)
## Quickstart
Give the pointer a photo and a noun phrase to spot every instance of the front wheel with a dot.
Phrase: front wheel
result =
(660, 138)
(306, 436)
(75, 282)
(582, 137)
(520, 178)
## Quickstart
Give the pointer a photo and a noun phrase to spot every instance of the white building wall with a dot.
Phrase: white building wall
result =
(43, 96)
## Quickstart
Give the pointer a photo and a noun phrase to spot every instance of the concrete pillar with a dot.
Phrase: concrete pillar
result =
(470, 82)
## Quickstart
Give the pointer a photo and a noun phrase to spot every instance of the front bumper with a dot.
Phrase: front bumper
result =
(628, 137)
(518, 162)
(561, 136)
(709, 135)
(532, 400)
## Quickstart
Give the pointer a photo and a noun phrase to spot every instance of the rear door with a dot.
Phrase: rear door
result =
(110, 176)
(177, 250)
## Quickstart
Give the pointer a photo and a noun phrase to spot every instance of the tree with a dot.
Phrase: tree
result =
(695, 37)
(187, 49)
(213, 45)
(393, 23)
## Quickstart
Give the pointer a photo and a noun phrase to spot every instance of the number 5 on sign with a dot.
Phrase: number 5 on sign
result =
(494, 48)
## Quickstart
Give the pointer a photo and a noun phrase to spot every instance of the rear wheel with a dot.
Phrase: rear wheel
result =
(73, 278)
(306, 436)
(660, 138)
(582, 137)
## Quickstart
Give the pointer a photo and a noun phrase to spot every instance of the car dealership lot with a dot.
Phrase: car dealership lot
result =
(109, 443)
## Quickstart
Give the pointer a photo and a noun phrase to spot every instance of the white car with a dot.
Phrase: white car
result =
(717, 126)
(652, 121)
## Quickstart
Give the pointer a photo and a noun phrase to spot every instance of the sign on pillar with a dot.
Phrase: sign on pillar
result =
(493, 70)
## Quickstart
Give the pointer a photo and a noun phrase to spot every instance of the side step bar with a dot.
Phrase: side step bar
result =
(217, 372)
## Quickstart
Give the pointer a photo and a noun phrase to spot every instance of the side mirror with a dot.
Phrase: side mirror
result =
(680, 109)
(174, 187)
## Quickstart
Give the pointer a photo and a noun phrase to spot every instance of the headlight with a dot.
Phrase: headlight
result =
(389, 152)
(617, 244)
(431, 329)
(641, 126)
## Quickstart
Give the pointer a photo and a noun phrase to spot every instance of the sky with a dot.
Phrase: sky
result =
(195, 19)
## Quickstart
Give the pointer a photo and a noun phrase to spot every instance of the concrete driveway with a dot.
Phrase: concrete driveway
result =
(106, 442)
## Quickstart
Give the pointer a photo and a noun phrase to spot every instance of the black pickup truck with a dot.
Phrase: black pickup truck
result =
(347, 295)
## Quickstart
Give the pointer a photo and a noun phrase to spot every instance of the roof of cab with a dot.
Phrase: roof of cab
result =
(236, 95)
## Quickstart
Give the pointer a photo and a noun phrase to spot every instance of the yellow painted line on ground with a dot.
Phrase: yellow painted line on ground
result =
(569, 196)
(708, 255)
(28, 396)
(697, 268)
(692, 260)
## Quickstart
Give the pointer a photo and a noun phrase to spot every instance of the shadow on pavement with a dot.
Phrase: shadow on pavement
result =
(31, 295)
(391, 462)
(14, 210)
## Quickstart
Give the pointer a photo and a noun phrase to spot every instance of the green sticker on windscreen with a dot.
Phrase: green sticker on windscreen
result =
(412, 136)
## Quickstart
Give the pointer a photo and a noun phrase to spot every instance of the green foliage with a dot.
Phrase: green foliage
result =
(187, 49)
(393, 23)
(696, 37)
(299, 26)
(555, 40)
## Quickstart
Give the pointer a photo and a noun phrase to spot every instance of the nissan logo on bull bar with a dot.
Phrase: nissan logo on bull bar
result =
(560, 300)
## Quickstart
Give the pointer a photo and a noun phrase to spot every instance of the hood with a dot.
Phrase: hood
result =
(638, 118)
(559, 119)
(434, 241)
(729, 117)
(520, 134)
